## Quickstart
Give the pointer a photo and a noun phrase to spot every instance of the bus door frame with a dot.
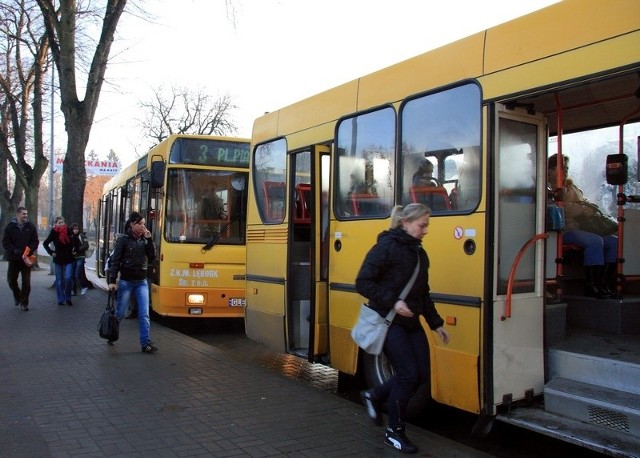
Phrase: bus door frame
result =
(102, 242)
(305, 277)
(319, 332)
(518, 332)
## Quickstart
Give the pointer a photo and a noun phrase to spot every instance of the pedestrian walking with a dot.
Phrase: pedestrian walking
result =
(80, 244)
(20, 239)
(386, 270)
(130, 258)
(62, 257)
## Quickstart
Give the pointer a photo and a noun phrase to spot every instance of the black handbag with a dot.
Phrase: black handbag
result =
(108, 326)
(599, 223)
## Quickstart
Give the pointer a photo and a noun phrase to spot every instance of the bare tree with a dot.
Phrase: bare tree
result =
(184, 111)
(23, 58)
(62, 26)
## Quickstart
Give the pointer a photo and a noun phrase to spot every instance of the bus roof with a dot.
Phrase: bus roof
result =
(551, 42)
(162, 150)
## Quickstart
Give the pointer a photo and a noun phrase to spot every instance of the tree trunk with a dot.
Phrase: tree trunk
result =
(74, 176)
(78, 114)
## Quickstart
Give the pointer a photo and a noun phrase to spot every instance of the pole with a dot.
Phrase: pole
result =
(51, 165)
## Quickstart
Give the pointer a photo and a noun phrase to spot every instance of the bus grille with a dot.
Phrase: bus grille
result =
(608, 418)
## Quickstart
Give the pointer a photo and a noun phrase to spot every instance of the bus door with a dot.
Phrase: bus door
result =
(518, 280)
(306, 313)
(102, 242)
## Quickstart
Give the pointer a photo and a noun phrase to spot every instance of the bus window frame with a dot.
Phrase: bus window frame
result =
(258, 185)
(342, 201)
(478, 153)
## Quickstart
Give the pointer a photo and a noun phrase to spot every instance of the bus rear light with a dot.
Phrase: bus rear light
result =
(196, 265)
(195, 299)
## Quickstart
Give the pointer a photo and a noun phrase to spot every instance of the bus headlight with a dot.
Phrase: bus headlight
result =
(195, 299)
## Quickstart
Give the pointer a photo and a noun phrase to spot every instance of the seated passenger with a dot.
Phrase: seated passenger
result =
(211, 209)
(424, 175)
(600, 252)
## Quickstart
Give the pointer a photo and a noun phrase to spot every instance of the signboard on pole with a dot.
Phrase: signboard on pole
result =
(94, 168)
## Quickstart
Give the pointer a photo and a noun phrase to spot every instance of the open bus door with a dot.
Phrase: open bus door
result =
(518, 279)
(103, 234)
(306, 312)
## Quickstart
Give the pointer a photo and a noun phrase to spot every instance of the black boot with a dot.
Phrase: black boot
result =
(592, 276)
(601, 282)
(609, 277)
(394, 436)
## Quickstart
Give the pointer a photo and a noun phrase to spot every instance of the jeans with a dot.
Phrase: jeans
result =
(140, 291)
(64, 281)
(408, 352)
(597, 250)
(78, 274)
(14, 269)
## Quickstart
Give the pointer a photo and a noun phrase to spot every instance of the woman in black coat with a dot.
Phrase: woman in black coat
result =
(63, 259)
(384, 273)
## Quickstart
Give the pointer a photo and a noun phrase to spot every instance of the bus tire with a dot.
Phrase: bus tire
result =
(377, 370)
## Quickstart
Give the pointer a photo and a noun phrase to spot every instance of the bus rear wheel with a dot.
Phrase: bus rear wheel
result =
(377, 370)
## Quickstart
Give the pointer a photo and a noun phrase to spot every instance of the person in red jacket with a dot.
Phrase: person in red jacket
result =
(63, 259)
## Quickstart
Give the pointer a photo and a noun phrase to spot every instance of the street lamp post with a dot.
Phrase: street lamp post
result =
(51, 164)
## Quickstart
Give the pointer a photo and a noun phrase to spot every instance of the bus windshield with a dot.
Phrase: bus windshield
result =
(202, 204)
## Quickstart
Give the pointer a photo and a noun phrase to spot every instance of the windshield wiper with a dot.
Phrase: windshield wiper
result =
(218, 234)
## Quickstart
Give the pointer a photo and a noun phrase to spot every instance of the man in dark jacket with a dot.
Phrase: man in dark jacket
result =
(130, 259)
(20, 240)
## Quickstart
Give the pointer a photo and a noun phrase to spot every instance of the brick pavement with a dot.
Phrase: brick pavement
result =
(64, 392)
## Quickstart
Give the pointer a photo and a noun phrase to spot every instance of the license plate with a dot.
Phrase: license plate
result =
(237, 302)
(195, 311)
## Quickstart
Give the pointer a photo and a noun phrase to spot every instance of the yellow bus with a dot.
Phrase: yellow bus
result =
(527, 347)
(192, 191)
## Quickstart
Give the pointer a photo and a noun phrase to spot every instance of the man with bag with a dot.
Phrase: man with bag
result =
(20, 241)
(130, 258)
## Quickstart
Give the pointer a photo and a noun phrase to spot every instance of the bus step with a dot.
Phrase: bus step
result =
(592, 437)
(596, 405)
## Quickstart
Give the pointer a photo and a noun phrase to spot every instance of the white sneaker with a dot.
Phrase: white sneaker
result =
(83, 291)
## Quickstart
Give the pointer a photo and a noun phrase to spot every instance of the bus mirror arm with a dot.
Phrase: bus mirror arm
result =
(216, 236)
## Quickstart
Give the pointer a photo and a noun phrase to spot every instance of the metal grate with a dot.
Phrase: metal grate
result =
(608, 418)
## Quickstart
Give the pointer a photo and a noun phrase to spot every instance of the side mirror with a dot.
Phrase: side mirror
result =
(157, 174)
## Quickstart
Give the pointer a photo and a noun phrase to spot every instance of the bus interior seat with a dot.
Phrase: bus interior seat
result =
(274, 199)
(365, 204)
(435, 197)
(302, 199)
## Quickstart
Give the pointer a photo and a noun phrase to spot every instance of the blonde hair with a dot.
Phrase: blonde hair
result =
(410, 212)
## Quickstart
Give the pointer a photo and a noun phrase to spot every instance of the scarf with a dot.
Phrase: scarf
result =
(63, 233)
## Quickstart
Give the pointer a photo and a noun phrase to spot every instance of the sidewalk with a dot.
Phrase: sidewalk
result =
(64, 392)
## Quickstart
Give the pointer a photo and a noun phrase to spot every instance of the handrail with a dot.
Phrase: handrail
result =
(559, 185)
(512, 272)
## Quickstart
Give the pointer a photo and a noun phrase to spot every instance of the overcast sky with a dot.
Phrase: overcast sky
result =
(268, 53)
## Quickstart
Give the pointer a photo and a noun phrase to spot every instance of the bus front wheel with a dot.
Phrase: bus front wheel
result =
(377, 370)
